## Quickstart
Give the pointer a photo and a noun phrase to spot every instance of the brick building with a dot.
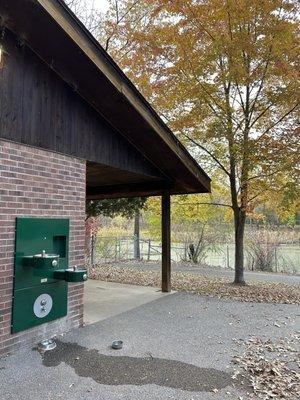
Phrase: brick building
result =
(73, 127)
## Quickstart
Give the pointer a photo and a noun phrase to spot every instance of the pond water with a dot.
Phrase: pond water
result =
(285, 258)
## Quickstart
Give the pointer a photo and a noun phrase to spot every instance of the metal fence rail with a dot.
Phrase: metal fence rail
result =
(286, 258)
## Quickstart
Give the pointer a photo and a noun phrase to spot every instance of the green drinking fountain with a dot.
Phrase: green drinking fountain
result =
(42, 272)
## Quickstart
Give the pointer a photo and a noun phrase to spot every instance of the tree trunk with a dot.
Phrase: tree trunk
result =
(136, 240)
(239, 224)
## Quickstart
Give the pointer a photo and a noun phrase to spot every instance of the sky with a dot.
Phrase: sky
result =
(100, 4)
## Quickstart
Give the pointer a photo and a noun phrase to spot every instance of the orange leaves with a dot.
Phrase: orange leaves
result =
(225, 73)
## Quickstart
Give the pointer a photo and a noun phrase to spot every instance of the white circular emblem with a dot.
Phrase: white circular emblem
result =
(42, 305)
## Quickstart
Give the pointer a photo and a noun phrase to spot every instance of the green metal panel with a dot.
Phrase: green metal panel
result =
(33, 235)
(24, 300)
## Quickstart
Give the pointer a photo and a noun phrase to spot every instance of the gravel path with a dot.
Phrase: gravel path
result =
(176, 347)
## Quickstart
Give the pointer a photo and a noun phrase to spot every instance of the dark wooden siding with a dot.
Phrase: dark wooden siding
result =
(38, 108)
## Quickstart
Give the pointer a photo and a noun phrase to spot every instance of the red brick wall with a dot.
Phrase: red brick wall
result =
(35, 182)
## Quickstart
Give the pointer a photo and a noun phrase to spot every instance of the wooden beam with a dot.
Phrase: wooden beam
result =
(89, 47)
(166, 241)
(154, 188)
(80, 55)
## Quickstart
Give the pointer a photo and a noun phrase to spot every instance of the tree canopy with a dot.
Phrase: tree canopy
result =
(224, 74)
(113, 207)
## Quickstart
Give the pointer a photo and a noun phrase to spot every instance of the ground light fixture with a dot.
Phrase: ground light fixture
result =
(117, 344)
(46, 345)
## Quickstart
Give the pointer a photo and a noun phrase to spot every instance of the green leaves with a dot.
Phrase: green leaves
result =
(114, 207)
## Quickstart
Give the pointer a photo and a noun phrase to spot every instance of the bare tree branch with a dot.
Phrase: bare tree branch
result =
(257, 195)
(279, 120)
(264, 175)
(119, 20)
(208, 152)
(261, 85)
(203, 203)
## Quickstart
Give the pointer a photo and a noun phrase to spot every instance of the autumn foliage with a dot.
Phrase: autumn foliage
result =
(225, 77)
(224, 74)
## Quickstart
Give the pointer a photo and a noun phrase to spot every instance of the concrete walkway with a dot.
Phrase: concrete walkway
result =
(106, 299)
(177, 346)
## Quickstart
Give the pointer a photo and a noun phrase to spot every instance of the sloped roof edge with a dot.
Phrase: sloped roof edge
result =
(123, 84)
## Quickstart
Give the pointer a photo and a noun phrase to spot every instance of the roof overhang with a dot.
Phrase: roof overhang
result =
(53, 32)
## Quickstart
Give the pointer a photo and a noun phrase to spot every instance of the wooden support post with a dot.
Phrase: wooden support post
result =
(166, 242)
(136, 236)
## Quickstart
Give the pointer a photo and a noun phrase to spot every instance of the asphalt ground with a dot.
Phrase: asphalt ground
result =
(176, 347)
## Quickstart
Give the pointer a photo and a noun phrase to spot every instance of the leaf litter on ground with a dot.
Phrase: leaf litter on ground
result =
(219, 287)
(272, 367)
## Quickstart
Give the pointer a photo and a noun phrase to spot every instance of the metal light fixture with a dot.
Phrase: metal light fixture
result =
(1, 46)
(46, 345)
